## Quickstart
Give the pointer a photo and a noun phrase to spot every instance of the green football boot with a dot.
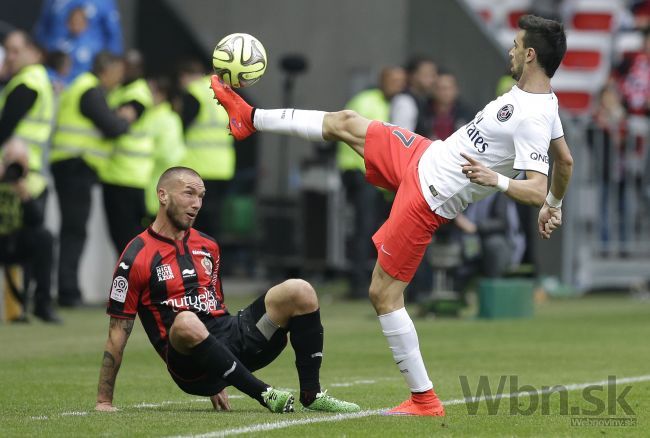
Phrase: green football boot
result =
(327, 403)
(278, 401)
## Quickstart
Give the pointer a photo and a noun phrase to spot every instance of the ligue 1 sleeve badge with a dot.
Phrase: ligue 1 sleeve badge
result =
(505, 112)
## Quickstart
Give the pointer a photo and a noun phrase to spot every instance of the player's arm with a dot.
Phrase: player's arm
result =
(550, 215)
(531, 191)
(118, 334)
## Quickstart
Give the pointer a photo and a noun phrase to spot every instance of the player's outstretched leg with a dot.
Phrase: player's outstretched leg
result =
(387, 296)
(189, 336)
(294, 305)
(346, 125)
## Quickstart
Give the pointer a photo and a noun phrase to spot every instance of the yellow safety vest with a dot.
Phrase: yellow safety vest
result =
(372, 105)
(76, 135)
(166, 128)
(131, 160)
(36, 126)
(210, 149)
(11, 210)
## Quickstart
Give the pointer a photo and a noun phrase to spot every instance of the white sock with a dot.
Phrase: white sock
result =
(301, 123)
(403, 341)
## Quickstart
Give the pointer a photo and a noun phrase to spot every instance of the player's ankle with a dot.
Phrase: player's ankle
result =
(427, 396)
(307, 397)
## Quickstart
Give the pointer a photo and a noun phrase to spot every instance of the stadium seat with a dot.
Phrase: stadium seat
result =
(588, 56)
(584, 20)
(596, 15)
(576, 103)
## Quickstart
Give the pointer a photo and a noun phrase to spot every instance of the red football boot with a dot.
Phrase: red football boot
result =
(426, 404)
(239, 112)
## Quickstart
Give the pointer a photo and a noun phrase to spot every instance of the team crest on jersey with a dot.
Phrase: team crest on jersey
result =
(505, 112)
(164, 272)
(207, 265)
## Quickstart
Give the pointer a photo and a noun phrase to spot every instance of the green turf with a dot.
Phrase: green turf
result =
(48, 375)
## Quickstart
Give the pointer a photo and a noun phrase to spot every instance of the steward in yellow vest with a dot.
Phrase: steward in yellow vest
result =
(367, 201)
(128, 169)
(210, 148)
(27, 103)
(166, 128)
(80, 150)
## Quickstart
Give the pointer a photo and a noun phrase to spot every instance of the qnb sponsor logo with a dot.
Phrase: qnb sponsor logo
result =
(539, 157)
(475, 137)
(203, 302)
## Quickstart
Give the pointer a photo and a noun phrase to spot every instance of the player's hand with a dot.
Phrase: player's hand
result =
(105, 407)
(220, 401)
(478, 173)
(549, 220)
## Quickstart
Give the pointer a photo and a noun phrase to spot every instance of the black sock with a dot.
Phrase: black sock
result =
(215, 356)
(307, 341)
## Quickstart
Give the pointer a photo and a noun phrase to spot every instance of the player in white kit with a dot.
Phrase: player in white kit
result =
(434, 181)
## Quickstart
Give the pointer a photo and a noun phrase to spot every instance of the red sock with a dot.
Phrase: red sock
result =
(424, 397)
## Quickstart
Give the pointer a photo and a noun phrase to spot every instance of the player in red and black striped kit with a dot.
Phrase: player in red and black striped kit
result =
(169, 276)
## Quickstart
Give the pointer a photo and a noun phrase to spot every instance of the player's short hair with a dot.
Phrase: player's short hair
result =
(175, 172)
(103, 60)
(548, 39)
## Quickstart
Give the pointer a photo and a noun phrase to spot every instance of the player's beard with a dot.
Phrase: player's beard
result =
(176, 215)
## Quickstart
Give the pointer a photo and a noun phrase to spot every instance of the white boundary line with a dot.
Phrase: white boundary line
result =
(263, 427)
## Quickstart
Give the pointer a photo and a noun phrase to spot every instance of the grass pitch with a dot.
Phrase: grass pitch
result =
(48, 377)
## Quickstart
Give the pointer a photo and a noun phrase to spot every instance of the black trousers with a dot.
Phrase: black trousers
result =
(208, 220)
(369, 213)
(73, 181)
(33, 248)
(125, 212)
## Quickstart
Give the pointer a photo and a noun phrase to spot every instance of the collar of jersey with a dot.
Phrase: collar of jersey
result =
(167, 239)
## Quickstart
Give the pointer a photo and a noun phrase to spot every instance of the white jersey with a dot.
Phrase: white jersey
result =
(510, 135)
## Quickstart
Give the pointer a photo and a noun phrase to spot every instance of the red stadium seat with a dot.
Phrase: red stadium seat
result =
(582, 59)
(513, 18)
(600, 21)
(486, 15)
(575, 102)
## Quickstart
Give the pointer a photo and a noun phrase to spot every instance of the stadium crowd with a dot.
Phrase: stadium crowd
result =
(77, 107)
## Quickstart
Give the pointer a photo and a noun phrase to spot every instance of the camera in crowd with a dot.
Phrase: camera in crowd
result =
(13, 172)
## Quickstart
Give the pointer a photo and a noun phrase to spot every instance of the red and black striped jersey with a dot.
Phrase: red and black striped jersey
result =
(157, 277)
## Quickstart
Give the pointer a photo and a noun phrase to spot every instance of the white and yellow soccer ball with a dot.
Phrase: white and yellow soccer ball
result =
(239, 59)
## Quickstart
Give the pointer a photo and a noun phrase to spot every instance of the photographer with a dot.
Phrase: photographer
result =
(23, 238)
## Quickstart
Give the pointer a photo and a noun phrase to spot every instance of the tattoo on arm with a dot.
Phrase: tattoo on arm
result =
(118, 334)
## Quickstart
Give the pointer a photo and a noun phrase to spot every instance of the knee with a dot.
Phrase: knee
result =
(187, 331)
(302, 295)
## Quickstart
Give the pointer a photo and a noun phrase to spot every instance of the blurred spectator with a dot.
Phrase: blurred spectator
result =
(619, 151)
(127, 171)
(633, 77)
(495, 223)
(27, 102)
(58, 66)
(210, 147)
(167, 131)
(505, 84)
(367, 202)
(81, 29)
(23, 238)
(449, 113)
(641, 11)
(79, 150)
(412, 109)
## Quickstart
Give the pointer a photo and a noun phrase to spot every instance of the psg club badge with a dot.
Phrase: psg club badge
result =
(505, 112)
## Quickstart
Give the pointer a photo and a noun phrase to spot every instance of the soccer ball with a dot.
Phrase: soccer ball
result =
(239, 59)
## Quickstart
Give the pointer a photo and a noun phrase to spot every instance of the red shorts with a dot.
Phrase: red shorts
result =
(392, 155)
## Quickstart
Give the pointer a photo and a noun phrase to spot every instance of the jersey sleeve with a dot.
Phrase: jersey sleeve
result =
(532, 138)
(129, 280)
(557, 130)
